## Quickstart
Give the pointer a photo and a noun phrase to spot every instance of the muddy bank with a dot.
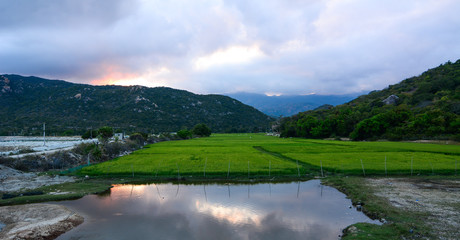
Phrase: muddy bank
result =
(12, 180)
(37, 221)
(439, 198)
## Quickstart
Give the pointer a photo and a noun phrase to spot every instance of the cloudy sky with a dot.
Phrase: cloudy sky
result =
(218, 46)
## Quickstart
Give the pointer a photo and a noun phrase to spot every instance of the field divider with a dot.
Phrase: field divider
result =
(307, 166)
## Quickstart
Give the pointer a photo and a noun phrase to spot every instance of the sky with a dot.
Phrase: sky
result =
(285, 47)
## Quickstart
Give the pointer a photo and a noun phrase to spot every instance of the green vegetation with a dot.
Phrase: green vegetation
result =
(201, 130)
(71, 108)
(104, 133)
(270, 157)
(422, 107)
(65, 191)
(199, 158)
(184, 134)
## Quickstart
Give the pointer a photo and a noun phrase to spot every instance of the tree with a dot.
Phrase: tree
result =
(138, 137)
(105, 133)
(89, 134)
(184, 134)
(201, 130)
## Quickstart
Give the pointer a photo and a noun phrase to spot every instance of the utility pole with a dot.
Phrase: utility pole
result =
(44, 142)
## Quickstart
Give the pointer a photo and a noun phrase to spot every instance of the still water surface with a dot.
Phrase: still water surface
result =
(297, 210)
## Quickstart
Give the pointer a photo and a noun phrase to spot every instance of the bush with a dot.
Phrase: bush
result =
(201, 130)
(105, 133)
(138, 138)
(184, 134)
(90, 134)
(84, 148)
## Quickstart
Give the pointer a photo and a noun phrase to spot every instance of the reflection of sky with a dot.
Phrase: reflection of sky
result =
(304, 210)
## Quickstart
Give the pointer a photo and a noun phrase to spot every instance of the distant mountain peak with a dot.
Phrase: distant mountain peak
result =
(287, 105)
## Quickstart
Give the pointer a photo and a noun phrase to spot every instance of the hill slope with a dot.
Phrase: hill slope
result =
(426, 106)
(27, 102)
(289, 105)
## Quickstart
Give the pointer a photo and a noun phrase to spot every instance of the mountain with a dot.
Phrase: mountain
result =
(28, 102)
(287, 105)
(422, 107)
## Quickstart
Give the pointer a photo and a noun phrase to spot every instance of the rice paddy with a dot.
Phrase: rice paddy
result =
(255, 156)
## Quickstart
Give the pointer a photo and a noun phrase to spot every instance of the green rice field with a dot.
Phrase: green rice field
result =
(236, 156)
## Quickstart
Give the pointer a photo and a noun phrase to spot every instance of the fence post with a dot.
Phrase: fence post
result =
(178, 175)
(228, 170)
(248, 169)
(321, 163)
(364, 173)
(204, 170)
(386, 166)
(455, 167)
(298, 169)
(411, 164)
(269, 167)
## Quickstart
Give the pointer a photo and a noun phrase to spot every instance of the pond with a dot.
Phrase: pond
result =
(297, 210)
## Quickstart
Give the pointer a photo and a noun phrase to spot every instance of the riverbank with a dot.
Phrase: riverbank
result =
(409, 207)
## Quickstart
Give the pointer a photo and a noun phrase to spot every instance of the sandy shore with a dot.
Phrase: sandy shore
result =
(37, 221)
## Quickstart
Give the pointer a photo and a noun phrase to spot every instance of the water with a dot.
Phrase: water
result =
(2, 225)
(298, 210)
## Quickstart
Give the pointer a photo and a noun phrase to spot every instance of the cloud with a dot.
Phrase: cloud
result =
(207, 46)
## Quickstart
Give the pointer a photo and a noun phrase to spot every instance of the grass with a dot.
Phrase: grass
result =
(200, 158)
(270, 157)
(70, 191)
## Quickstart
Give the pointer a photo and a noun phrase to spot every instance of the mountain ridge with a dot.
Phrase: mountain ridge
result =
(28, 102)
(288, 105)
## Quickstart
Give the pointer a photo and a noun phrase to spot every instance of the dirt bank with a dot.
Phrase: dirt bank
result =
(37, 221)
(439, 198)
(12, 180)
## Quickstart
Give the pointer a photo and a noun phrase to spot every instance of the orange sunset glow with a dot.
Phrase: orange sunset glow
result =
(115, 78)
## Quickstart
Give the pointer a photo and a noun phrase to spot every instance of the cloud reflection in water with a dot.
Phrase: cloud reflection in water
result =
(304, 210)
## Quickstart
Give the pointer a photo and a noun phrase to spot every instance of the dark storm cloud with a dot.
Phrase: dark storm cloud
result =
(290, 47)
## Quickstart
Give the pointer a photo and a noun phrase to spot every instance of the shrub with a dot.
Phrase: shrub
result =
(201, 130)
(184, 134)
(138, 138)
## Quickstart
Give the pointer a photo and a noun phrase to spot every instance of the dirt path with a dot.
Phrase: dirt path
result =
(37, 221)
(12, 180)
(439, 198)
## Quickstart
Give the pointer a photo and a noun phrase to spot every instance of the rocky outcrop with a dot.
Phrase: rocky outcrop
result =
(37, 221)
(392, 99)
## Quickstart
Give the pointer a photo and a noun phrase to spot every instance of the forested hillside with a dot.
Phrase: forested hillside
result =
(67, 108)
(422, 107)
